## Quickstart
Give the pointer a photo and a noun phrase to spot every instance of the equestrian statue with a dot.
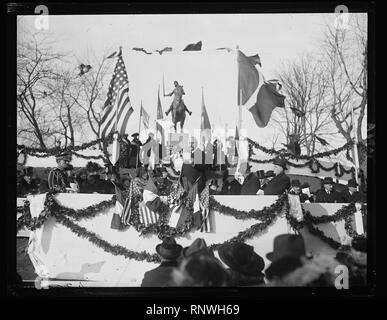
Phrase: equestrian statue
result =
(178, 106)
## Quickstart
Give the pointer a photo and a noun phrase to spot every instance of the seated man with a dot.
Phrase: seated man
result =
(169, 251)
(351, 194)
(327, 194)
(280, 183)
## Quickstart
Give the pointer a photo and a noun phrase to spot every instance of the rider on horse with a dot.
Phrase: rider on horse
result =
(177, 105)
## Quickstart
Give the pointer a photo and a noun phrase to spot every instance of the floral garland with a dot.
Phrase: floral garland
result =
(243, 215)
(267, 218)
(103, 244)
(292, 156)
(314, 166)
(343, 213)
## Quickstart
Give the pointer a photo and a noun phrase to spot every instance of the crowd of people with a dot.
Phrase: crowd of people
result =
(238, 265)
(96, 179)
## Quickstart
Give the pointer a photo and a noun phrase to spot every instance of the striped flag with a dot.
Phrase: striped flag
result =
(122, 209)
(205, 210)
(145, 117)
(147, 216)
(117, 108)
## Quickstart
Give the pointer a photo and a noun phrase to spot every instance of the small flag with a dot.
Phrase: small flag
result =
(122, 208)
(205, 210)
(147, 216)
(145, 117)
(193, 47)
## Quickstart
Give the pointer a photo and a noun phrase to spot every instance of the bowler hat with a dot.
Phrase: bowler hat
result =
(280, 162)
(242, 258)
(287, 245)
(135, 135)
(328, 180)
(296, 183)
(169, 249)
(269, 174)
(199, 246)
(352, 183)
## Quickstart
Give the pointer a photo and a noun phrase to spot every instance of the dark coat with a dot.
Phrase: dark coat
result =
(323, 197)
(357, 196)
(277, 185)
(231, 188)
(160, 276)
(25, 188)
(251, 185)
(304, 197)
(95, 184)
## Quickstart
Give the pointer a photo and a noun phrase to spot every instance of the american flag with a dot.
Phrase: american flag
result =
(117, 108)
(123, 205)
(147, 216)
(145, 117)
(205, 210)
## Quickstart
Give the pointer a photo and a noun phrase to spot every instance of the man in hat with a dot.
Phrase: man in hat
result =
(280, 183)
(27, 185)
(231, 186)
(288, 254)
(163, 183)
(161, 276)
(327, 194)
(352, 194)
(198, 247)
(252, 183)
(135, 147)
(268, 176)
(245, 266)
(57, 177)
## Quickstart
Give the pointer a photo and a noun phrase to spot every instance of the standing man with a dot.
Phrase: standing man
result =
(280, 183)
(327, 194)
(135, 151)
(352, 194)
(57, 177)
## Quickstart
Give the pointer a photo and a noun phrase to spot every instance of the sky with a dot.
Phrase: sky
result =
(275, 37)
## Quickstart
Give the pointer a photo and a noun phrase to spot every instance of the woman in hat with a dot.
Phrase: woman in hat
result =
(245, 265)
(161, 276)
(327, 194)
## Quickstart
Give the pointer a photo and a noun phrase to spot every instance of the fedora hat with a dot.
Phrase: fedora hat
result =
(269, 174)
(352, 183)
(328, 180)
(296, 183)
(169, 249)
(199, 246)
(135, 134)
(280, 162)
(242, 258)
(287, 245)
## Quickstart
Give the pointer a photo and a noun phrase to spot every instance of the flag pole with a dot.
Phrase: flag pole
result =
(139, 129)
(163, 85)
(355, 153)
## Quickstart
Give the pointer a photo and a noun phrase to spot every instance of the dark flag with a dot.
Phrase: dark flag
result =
(250, 83)
(193, 47)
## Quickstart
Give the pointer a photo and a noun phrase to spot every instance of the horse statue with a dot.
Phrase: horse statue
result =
(178, 106)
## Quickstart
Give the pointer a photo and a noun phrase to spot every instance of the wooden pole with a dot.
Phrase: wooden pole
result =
(139, 129)
(355, 153)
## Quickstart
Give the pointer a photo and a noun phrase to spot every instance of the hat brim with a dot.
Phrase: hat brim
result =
(169, 254)
(253, 269)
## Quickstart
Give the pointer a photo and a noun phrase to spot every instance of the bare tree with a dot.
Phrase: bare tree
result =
(92, 91)
(35, 68)
(305, 116)
(67, 113)
(345, 57)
